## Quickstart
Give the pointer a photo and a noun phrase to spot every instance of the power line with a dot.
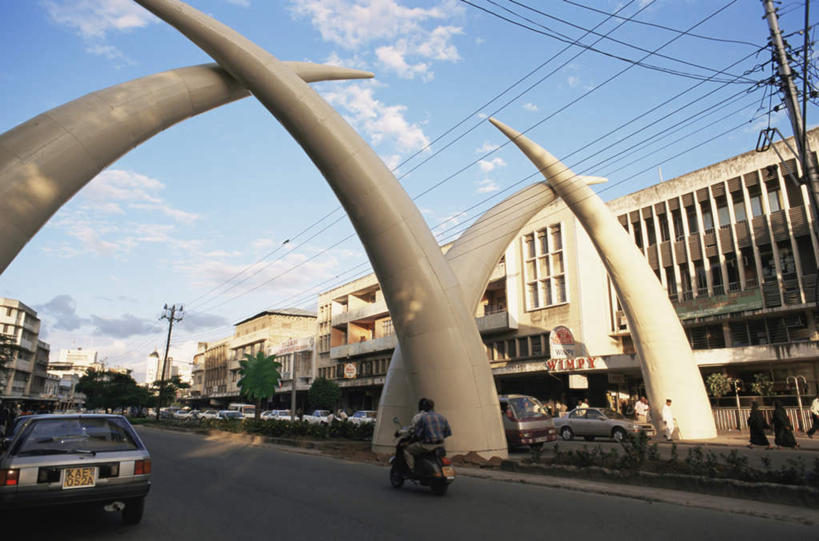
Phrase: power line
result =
(662, 27)
(600, 51)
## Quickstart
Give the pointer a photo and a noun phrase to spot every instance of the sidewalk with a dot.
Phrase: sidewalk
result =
(736, 438)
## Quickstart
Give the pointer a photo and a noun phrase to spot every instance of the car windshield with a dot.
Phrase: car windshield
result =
(525, 407)
(611, 414)
(83, 434)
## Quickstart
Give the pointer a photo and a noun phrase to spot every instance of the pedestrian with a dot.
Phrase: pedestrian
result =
(668, 419)
(342, 415)
(814, 415)
(783, 429)
(583, 404)
(758, 425)
(641, 410)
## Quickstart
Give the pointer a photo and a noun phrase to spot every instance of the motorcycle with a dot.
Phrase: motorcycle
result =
(432, 469)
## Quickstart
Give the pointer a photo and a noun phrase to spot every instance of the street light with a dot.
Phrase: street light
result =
(736, 383)
(798, 395)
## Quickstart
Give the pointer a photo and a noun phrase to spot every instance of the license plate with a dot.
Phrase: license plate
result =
(80, 477)
(449, 472)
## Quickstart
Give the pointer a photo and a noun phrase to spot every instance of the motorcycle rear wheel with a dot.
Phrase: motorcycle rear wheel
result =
(396, 478)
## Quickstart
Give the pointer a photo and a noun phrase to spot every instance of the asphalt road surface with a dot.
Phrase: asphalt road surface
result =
(207, 489)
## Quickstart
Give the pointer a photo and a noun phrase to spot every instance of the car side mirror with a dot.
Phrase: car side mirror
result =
(4, 444)
(396, 420)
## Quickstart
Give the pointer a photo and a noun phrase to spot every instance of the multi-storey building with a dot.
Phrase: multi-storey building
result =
(217, 363)
(24, 375)
(75, 362)
(734, 244)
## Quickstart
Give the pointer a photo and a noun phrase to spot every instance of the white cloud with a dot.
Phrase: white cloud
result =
(530, 107)
(95, 18)
(487, 186)
(242, 3)
(489, 165)
(379, 121)
(410, 35)
(573, 81)
(486, 148)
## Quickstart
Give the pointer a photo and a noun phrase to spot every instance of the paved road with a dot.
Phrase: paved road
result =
(216, 489)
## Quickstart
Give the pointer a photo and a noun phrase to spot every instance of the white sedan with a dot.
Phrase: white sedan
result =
(363, 416)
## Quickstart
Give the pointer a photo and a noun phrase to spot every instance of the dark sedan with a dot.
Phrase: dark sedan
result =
(66, 459)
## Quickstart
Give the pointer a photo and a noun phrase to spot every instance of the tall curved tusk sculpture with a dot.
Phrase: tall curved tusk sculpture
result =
(473, 257)
(46, 160)
(444, 353)
(668, 366)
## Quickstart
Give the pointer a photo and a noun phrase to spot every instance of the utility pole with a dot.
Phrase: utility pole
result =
(806, 158)
(171, 315)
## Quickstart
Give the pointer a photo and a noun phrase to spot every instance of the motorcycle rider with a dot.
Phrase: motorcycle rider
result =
(429, 429)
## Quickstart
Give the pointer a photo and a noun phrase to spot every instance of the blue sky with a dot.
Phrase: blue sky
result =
(177, 218)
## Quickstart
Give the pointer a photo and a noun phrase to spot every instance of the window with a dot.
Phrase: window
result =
(652, 237)
(676, 217)
(702, 281)
(716, 276)
(671, 283)
(529, 240)
(723, 215)
(685, 283)
(691, 214)
(500, 350)
(774, 196)
(739, 207)
(523, 346)
(544, 271)
(638, 234)
(732, 269)
(767, 260)
(512, 350)
(537, 347)
(707, 218)
(756, 200)
(663, 222)
(786, 261)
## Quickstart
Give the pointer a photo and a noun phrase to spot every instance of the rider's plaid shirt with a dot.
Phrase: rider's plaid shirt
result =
(432, 427)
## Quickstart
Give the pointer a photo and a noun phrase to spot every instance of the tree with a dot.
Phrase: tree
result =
(111, 390)
(7, 349)
(259, 378)
(762, 385)
(718, 385)
(324, 394)
(165, 391)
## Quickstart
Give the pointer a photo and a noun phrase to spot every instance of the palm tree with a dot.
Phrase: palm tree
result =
(259, 378)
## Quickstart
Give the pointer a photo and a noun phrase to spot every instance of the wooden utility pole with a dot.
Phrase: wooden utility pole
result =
(171, 315)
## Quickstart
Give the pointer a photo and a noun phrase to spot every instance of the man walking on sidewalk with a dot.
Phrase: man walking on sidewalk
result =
(814, 415)
(668, 419)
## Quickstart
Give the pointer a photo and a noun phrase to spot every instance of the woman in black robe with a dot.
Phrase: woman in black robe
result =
(758, 425)
(783, 429)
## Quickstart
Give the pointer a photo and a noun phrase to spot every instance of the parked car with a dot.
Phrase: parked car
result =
(167, 413)
(187, 415)
(63, 459)
(229, 415)
(363, 416)
(591, 423)
(282, 415)
(319, 417)
(208, 414)
(525, 421)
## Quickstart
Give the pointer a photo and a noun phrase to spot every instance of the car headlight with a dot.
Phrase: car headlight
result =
(635, 428)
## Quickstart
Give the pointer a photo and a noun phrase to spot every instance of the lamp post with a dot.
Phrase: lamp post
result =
(736, 383)
(796, 380)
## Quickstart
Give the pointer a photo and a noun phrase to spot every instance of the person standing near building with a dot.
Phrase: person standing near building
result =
(757, 426)
(668, 419)
(641, 410)
(814, 415)
(783, 429)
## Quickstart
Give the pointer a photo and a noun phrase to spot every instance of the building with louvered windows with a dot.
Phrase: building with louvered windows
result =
(732, 243)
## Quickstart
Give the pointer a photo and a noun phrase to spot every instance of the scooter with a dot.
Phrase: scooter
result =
(431, 469)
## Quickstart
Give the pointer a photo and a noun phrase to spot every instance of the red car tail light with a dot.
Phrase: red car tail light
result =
(142, 467)
(445, 461)
(9, 478)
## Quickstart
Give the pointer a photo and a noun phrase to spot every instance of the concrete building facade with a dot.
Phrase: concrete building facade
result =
(23, 378)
